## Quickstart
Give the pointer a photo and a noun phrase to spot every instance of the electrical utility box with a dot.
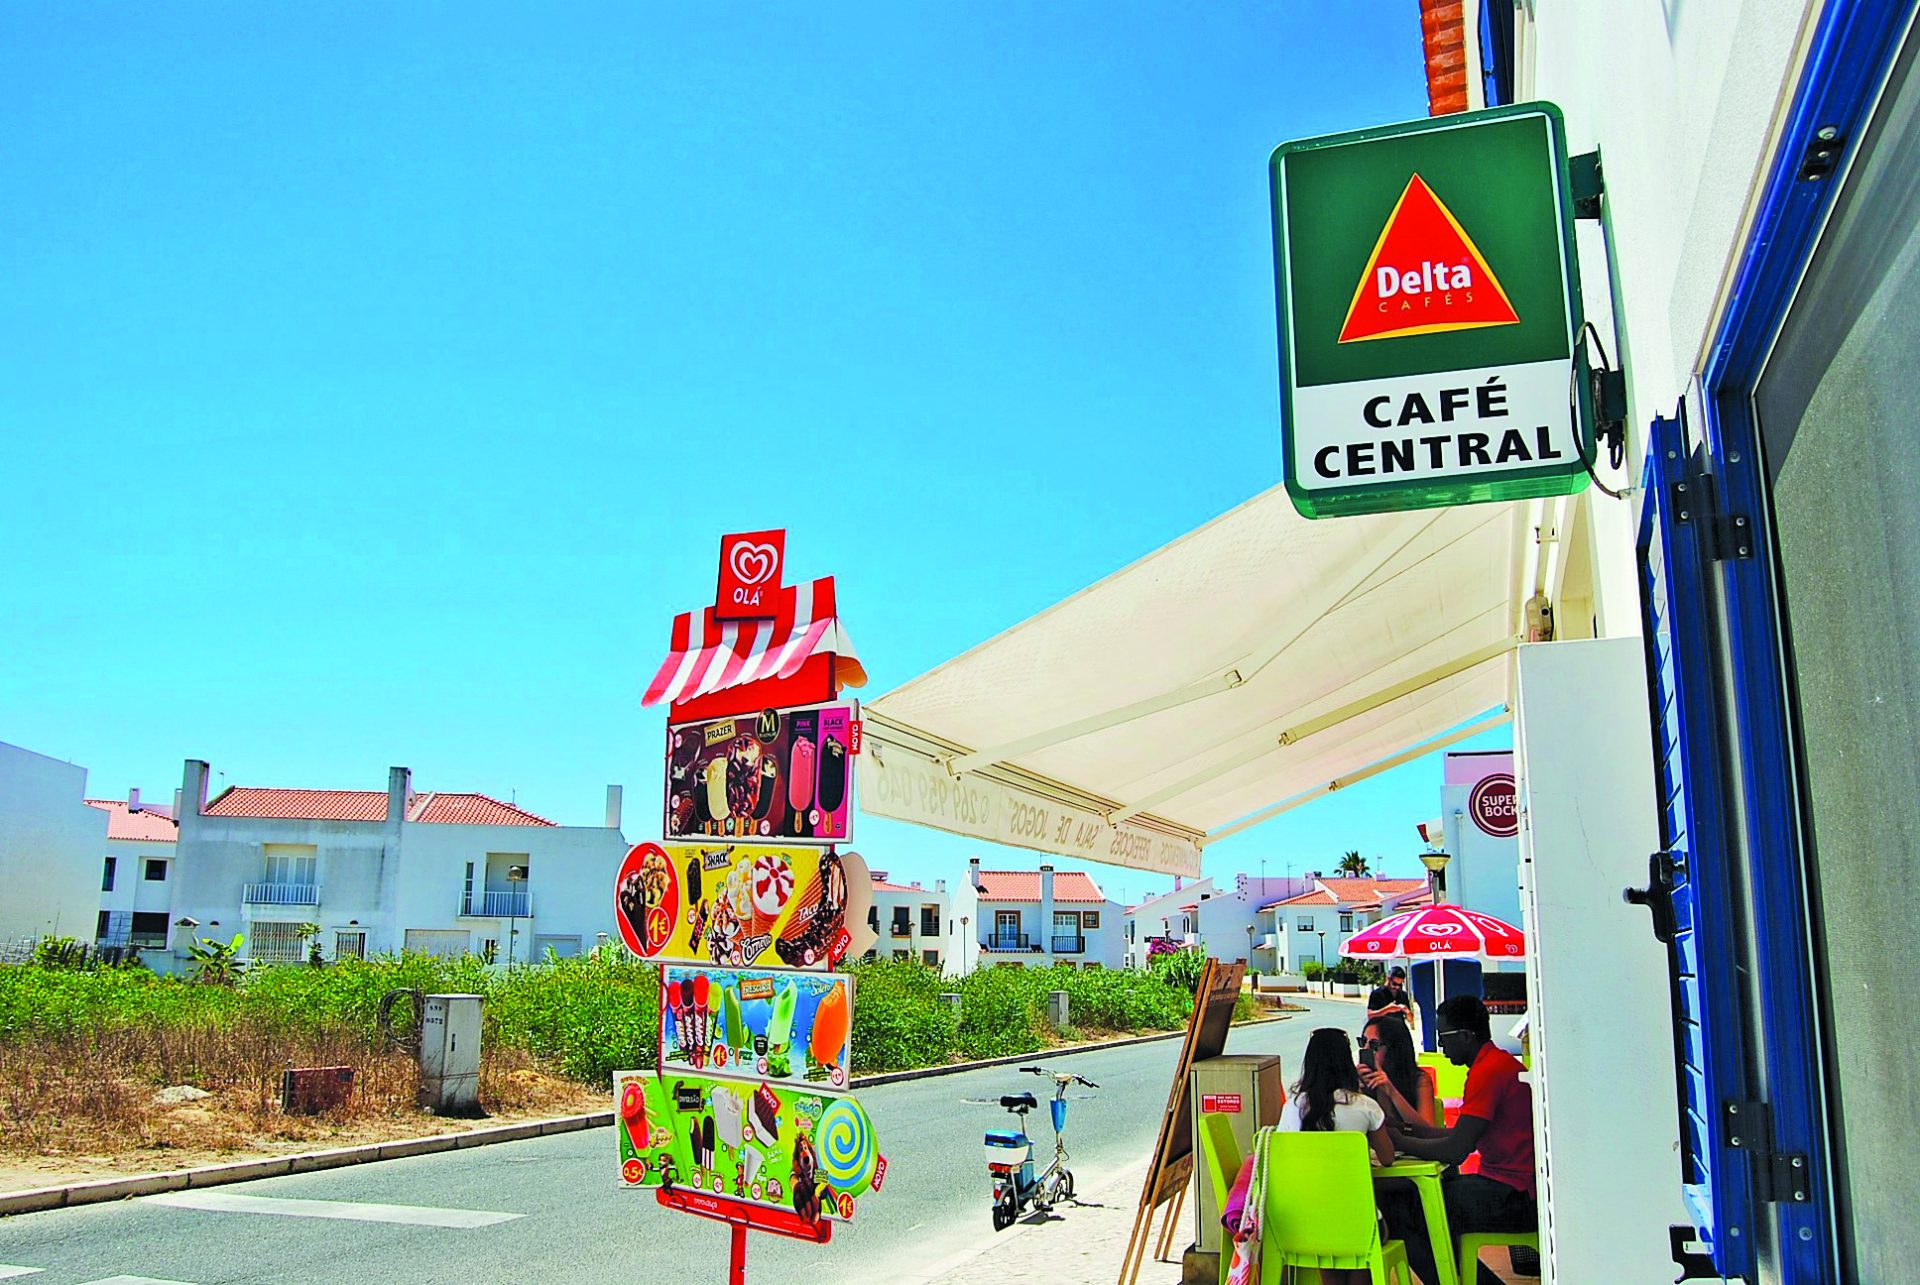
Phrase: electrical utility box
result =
(450, 1054)
(1246, 1089)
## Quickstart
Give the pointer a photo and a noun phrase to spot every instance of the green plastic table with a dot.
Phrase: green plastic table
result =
(1425, 1176)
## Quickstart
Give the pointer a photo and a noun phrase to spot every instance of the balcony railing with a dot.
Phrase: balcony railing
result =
(1008, 941)
(281, 894)
(929, 927)
(497, 905)
(1069, 945)
(901, 928)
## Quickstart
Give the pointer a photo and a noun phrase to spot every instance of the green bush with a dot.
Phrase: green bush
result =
(1313, 970)
(1180, 968)
(588, 1016)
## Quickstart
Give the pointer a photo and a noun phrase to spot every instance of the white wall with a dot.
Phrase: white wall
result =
(943, 942)
(1587, 825)
(1681, 100)
(51, 848)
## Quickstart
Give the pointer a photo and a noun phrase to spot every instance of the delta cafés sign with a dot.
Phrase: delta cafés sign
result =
(1429, 307)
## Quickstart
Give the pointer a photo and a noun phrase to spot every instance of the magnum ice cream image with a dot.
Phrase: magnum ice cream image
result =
(784, 773)
(800, 781)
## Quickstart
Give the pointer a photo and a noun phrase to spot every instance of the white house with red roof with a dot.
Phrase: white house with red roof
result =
(1038, 918)
(136, 873)
(50, 847)
(919, 923)
(378, 871)
(1318, 922)
(1214, 918)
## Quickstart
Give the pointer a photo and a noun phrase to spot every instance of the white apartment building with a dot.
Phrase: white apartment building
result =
(919, 923)
(50, 847)
(137, 874)
(1035, 919)
(1217, 920)
(1315, 924)
(388, 871)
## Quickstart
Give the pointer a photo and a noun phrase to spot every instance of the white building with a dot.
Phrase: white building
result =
(1315, 924)
(50, 848)
(387, 871)
(1035, 919)
(137, 874)
(919, 923)
(1202, 914)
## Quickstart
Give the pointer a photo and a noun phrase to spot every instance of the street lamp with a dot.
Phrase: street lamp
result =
(1324, 982)
(515, 874)
(963, 943)
(1436, 864)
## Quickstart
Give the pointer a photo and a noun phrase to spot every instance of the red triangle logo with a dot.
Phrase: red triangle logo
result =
(1425, 275)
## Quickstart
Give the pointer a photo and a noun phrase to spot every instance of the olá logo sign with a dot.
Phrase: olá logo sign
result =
(1425, 276)
(749, 575)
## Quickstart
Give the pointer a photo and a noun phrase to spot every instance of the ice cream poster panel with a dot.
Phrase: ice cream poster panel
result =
(778, 1026)
(776, 1145)
(743, 906)
(782, 775)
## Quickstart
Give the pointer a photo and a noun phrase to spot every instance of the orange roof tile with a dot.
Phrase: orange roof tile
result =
(1024, 885)
(148, 825)
(469, 809)
(366, 805)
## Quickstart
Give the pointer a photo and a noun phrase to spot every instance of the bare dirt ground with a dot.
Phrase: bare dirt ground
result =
(230, 1125)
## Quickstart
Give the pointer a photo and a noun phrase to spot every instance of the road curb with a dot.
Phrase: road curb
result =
(96, 1191)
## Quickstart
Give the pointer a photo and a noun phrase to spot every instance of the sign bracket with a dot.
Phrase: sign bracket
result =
(1589, 184)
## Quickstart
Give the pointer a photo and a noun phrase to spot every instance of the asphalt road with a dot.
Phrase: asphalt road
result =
(562, 1216)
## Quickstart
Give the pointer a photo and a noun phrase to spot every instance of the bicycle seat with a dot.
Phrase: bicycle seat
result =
(1018, 1101)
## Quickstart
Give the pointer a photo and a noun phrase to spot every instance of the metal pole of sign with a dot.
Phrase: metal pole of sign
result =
(737, 1257)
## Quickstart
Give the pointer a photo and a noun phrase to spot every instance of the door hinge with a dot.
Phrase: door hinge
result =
(1779, 1177)
(1696, 502)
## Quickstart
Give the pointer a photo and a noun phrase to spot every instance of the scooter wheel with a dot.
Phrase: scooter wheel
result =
(1063, 1189)
(1003, 1213)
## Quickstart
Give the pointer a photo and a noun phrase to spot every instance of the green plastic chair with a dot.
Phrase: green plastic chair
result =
(1222, 1151)
(1472, 1243)
(1450, 1081)
(1320, 1210)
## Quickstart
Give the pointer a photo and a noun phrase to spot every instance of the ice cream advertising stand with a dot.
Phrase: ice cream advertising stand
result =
(748, 905)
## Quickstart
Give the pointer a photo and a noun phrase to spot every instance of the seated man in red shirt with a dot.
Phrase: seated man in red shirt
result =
(1496, 1121)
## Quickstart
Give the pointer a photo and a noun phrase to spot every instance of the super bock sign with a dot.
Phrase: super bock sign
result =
(1429, 307)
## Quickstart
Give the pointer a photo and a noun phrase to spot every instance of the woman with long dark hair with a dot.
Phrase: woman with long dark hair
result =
(1392, 1074)
(1328, 1096)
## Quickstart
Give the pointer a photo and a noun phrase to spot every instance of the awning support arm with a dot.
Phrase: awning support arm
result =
(1320, 723)
(1384, 765)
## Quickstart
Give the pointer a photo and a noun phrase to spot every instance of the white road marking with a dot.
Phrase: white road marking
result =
(136, 1280)
(411, 1215)
(8, 1273)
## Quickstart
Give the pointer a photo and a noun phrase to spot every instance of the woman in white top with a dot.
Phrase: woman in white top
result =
(1328, 1098)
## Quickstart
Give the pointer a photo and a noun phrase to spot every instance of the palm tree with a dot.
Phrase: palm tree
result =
(1353, 864)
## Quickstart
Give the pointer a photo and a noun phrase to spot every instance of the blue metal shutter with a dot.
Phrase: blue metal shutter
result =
(1693, 868)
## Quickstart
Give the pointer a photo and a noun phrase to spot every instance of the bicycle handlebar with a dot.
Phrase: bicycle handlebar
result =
(1041, 1070)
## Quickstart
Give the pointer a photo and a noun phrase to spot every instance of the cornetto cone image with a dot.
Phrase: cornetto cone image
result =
(1425, 275)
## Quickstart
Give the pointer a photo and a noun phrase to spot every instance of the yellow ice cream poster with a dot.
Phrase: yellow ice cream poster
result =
(743, 905)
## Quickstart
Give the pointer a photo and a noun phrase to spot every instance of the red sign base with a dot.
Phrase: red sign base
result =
(780, 1222)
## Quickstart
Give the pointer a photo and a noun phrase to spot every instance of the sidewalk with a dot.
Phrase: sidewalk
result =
(1079, 1242)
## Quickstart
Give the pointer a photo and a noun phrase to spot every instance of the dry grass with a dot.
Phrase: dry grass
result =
(95, 1096)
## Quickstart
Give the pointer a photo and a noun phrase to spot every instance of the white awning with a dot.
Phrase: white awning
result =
(1253, 664)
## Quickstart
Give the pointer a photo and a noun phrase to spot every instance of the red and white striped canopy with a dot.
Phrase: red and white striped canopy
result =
(1437, 930)
(728, 653)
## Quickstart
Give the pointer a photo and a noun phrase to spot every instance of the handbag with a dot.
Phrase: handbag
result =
(1244, 1269)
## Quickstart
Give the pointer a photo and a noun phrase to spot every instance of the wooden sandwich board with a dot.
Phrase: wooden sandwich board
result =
(1171, 1168)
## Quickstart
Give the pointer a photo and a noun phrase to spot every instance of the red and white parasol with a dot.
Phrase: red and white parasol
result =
(1437, 931)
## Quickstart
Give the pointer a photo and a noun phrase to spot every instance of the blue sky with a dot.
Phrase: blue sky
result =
(379, 379)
